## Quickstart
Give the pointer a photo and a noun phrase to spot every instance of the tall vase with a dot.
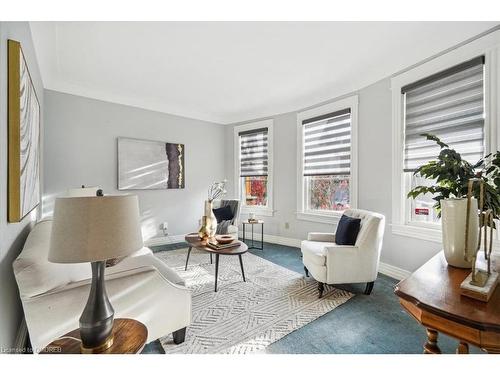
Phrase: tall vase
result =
(208, 222)
(453, 213)
(203, 231)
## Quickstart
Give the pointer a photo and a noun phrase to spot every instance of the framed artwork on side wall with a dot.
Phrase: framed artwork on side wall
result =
(150, 165)
(23, 137)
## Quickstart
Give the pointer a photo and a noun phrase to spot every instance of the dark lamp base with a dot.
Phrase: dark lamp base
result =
(96, 321)
(99, 349)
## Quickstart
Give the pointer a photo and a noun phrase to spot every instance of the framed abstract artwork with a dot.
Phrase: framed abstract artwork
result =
(23, 137)
(150, 165)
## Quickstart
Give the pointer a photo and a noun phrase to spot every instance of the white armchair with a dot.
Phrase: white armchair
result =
(330, 263)
(140, 287)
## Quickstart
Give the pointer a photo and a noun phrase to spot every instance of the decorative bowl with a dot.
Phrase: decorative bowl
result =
(224, 238)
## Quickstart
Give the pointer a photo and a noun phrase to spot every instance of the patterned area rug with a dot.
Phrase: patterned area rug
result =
(244, 317)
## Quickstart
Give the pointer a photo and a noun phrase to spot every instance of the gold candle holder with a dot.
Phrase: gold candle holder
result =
(480, 284)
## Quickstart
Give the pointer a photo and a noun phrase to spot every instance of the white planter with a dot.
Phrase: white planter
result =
(453, 212)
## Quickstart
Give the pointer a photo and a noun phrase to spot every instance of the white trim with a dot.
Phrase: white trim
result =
(492, 104)
(489, 46)
(349, 102)
(393, 271)
(286, 241)
(422, 233)
(404, 230)
(384, 268)
(164, 240)
(269, 124)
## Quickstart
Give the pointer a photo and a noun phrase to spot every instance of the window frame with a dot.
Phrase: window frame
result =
(245, 209)
(489, 47)
(329, 217)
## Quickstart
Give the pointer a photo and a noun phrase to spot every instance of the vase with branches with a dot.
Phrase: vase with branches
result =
(452, 173)
(217, 190)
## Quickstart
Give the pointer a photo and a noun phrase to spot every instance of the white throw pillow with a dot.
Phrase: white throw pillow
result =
(35, 274)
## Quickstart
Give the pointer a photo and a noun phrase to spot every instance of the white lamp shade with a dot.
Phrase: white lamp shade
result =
(89, 229)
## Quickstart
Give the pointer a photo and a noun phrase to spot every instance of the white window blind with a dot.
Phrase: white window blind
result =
(449, 105)
(327, 144)
(253, 152)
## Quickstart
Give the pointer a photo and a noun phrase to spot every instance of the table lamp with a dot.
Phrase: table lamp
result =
(94, 229)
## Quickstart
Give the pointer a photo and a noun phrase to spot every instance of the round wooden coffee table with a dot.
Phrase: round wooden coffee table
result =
(194, 241)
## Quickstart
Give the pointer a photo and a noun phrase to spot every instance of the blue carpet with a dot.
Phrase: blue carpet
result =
(365, 324)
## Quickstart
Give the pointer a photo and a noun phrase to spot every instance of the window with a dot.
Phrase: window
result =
(254, 190)
(253, 166)
(327, 161)
(253, 145)
(454, 97)
(326, 149)
(450, 105)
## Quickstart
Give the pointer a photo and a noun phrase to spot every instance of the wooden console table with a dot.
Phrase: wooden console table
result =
(432, 296)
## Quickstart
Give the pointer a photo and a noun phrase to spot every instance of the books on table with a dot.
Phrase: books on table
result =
(218, 246)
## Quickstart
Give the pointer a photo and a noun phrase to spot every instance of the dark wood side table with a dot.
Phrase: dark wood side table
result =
(129, 337)
(432, 296)
(194, 241)
(252, 223)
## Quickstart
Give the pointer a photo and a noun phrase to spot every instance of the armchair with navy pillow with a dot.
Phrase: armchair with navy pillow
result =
(351, 255)
(227, 213)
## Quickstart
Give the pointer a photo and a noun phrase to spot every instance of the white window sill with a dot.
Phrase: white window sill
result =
(429, 234)
(419, 232)
(319, 218)
(258, 211)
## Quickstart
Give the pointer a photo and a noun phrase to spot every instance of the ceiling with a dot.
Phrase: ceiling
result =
(228, 72)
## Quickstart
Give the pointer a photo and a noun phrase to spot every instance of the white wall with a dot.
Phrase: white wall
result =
(375, 176)
(81, 148)
(12, 236)
(374, 186)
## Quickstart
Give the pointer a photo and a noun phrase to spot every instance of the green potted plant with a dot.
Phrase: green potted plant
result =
(452, 174)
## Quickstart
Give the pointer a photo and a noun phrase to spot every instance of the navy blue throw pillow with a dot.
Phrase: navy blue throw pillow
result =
(223, 213)
(347, 230)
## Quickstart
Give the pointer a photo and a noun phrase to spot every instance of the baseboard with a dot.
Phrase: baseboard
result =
(167, 240)
(164, 240)
(392, 271)
(386, 269)
(21, 337)
(286, 241)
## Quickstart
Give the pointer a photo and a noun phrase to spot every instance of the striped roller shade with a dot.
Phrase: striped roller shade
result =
(450, 105)
(253, 152)
(327, 144)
